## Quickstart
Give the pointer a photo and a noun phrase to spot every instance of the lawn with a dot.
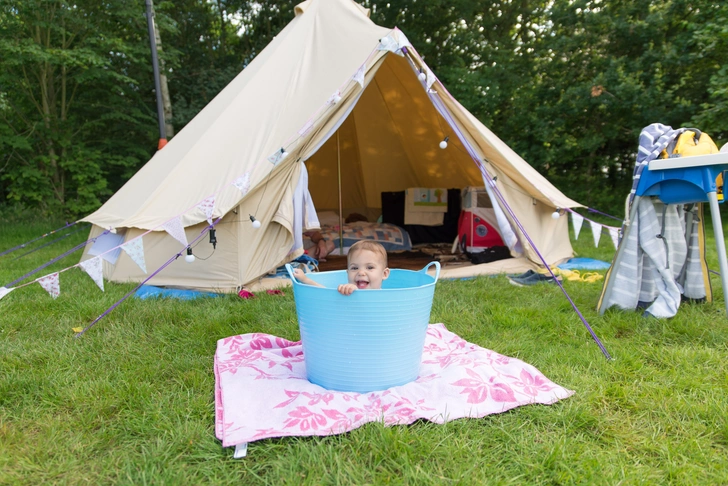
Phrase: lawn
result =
(131, 402)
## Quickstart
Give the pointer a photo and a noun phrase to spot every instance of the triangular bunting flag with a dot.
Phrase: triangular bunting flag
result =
(51, 284)
(135, 250)
(94, 270)
(614, 234)
(207, 206)
(176, 230)
(430, 78)
(596, 232)
(577, 220)
(403, 40)
(5, 291)
(359, 76)
(279, 155)
(334, 98)
(243, 183)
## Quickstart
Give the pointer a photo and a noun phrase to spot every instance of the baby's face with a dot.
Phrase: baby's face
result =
(366, 270)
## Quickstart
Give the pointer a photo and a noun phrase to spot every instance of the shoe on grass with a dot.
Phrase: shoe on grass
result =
(522, 275)
(533, 279)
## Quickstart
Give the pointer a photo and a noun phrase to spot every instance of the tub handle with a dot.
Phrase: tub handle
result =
(437, 269)
(289, 268)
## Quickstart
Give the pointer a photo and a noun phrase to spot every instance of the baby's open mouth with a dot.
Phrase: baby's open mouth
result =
(362, 284)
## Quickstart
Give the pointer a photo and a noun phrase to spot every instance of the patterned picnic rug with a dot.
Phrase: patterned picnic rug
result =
(261, 390)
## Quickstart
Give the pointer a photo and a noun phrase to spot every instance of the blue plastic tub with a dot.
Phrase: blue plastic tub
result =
(369, 340)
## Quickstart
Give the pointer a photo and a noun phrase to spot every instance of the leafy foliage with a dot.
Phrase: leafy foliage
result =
(73, 113)
(568, 85)
(214, 41)
(605, 70)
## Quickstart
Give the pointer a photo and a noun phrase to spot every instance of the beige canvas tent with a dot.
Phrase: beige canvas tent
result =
(350, 100)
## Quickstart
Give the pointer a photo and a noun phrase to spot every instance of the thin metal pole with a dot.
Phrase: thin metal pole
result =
(157, 82)
(719, 243)
(341, 204)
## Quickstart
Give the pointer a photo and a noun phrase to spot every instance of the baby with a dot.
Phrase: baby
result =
(366, 268)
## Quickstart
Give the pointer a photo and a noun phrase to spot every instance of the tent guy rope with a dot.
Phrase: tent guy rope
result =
(128, 294)
(241, 182)
(23, 245)
(52, 242)
(399, 46)
(490, 182)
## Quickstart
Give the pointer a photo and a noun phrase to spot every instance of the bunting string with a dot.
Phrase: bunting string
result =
(165, 265)
(592, 210)
(577, 220)
(242, 183)
(51, 262)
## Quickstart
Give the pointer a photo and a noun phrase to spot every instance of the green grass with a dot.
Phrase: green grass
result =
(132, 402)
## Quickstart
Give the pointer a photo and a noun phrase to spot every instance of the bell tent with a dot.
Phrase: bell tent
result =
(336, 105)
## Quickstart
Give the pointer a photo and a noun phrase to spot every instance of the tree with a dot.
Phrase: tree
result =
(213, 41)
(712, 37)
(73, 110)
(605, 70)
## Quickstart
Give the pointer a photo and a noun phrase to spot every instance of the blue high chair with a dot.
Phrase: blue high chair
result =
(686, 180)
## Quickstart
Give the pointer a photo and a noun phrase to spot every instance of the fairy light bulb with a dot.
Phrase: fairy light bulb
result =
(256, 223)
(189, 257)
(443, 144)
(556, 214)
(422, 75)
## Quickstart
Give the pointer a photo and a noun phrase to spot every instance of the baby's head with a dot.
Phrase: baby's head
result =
(367, 265)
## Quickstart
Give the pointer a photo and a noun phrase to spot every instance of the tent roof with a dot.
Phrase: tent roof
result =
(271, 100)
(257, 113)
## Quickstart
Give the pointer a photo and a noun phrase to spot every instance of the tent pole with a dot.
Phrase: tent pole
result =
(157, 81)
(341, 206)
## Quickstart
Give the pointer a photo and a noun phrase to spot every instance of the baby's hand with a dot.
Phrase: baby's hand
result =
(301, 276)
(347, 289)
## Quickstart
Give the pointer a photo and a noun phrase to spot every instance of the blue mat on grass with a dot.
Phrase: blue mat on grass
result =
(149, 291)
(584, 264)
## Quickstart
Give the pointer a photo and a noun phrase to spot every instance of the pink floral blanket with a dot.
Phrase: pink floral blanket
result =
(261, 389)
